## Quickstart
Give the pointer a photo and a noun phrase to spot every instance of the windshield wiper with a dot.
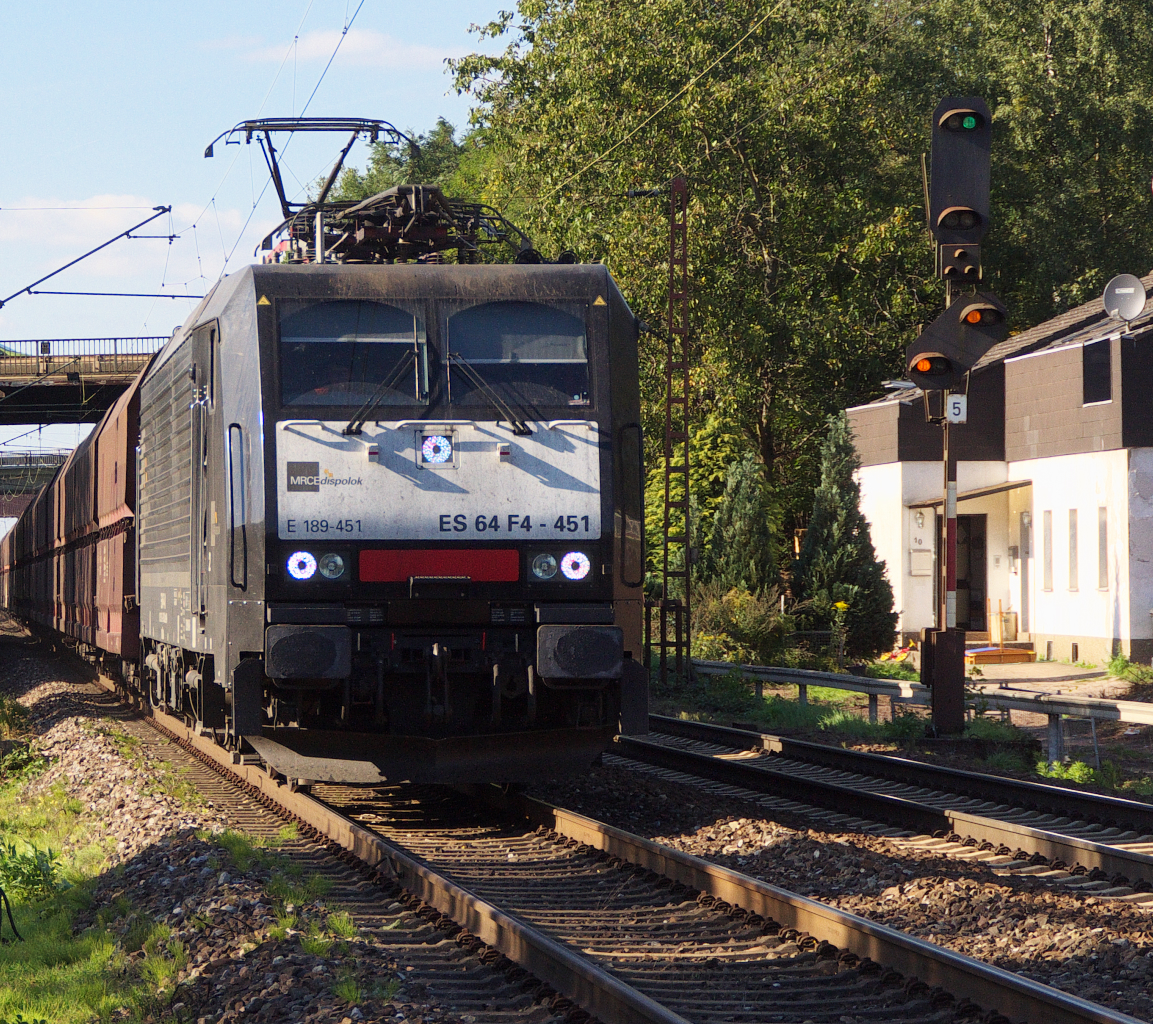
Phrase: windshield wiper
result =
(519, 426)
(358, 420)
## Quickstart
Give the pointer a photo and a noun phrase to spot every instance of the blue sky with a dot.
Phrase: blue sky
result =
(105, 110)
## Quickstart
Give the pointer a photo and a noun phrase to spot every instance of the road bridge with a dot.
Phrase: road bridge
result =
(68, 380)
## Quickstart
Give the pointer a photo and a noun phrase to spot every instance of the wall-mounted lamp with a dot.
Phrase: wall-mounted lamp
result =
(919, 519)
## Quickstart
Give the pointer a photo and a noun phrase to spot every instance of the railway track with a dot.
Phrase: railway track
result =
(631, 931)
(1101, 844)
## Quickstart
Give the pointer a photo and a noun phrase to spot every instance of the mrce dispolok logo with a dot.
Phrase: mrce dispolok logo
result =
(308, 476)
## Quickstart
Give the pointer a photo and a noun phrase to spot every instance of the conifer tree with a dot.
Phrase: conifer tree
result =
(837, 562)
(741, 546)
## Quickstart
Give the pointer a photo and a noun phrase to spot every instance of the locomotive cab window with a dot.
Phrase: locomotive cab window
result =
(528, 354)
(347, 351)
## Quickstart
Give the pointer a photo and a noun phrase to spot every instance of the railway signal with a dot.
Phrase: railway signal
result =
(944, 353)
(955, 341)
(959, 193)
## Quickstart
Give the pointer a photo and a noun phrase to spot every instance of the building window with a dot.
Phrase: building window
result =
(1072, 549)
(1047, 550)
(1096, 372)
(1102, 549)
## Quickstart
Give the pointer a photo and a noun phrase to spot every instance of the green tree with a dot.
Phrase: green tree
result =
(806, 263)
(800, 128)
(837, 561)
(1070, 87)
(741, 552)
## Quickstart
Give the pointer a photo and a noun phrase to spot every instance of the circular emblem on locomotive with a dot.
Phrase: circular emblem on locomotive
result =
(301, 565)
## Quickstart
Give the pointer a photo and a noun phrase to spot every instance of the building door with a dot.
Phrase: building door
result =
(972, 573)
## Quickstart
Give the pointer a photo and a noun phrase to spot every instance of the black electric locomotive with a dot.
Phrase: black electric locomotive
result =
(389, 519)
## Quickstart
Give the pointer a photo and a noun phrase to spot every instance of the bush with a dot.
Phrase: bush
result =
(31, 874)
(1077, 771)
(21, 762)
(738, 625)
(1121, 667)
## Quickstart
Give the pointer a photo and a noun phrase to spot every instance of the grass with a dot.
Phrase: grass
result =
(347, 988)
(385, 989)
(56, 974)
(342, 924)
(13, 717)
(1008, 761)
(289, 892)
(48, 864)
(993, 731)
(892, 670)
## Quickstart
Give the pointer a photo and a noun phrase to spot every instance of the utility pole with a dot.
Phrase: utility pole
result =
(676, 528)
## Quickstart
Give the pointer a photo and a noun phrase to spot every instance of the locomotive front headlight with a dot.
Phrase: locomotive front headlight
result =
(301, 565)
(436, 449)
(544, 567)
(575, 565)
(331, 566)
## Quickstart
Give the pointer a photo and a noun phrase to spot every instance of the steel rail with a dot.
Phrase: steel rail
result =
(591, 987)
(896, 810)
(1016, 997)
(1039, 796)
(595, 989)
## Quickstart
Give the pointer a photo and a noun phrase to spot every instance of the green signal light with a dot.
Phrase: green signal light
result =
(969, 123)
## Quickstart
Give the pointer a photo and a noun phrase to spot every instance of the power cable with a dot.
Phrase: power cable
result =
(259, 110)
(161, 210)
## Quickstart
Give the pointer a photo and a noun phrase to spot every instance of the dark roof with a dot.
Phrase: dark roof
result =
(1076, 324)
(1082, 323)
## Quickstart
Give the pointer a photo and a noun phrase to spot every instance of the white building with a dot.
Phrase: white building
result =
(1055, 489)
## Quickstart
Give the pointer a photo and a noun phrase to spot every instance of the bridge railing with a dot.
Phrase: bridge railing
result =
(86, 357)
(32, 460)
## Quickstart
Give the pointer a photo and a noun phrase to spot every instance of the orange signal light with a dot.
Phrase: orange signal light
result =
(973, 316)
(924, 365)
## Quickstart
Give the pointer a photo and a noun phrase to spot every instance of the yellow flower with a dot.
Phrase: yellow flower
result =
(841, 606)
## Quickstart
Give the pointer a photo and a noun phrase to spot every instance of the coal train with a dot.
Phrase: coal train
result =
(367, 521)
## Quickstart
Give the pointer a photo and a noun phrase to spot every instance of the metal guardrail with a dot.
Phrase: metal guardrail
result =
(1053, 706)
(896, 689)
(32, 460)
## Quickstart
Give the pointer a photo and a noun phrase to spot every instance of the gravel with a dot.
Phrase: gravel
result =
(233, 952)
(1098, 949)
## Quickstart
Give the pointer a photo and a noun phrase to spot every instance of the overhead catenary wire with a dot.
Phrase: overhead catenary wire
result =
(161, 210)
(336, 49)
